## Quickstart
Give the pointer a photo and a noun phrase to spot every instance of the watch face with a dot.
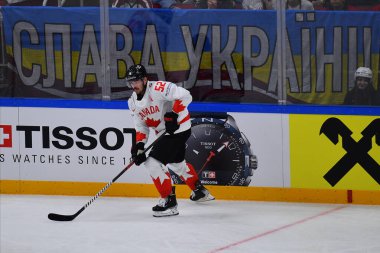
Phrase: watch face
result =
(218, 152)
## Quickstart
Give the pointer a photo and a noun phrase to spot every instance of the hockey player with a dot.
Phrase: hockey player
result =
(162, 106)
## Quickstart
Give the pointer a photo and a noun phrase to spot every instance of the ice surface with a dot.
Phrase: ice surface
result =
(127, 225)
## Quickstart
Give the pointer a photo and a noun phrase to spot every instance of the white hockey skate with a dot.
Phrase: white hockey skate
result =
(166, 206)
(201, 194)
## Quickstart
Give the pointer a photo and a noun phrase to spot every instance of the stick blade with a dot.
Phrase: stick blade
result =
(60, 217)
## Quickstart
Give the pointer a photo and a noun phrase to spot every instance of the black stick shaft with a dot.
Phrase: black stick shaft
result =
(61, 217)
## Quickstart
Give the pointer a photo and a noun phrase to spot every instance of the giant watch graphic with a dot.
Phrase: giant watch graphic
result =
(218, 151)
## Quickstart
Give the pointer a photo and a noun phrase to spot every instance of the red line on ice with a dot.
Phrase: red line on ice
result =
(276, 229)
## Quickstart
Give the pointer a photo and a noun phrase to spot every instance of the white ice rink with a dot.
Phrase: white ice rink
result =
(127, 225)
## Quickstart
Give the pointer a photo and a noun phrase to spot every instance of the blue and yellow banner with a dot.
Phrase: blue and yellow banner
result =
(219, 55)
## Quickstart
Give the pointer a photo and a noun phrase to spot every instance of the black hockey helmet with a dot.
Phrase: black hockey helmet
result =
(136, 72)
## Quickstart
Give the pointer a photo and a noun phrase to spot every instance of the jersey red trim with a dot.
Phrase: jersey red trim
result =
(178, 106)
(185, 119)
(140, 136)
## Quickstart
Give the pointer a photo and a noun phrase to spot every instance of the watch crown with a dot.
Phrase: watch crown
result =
(253, 162)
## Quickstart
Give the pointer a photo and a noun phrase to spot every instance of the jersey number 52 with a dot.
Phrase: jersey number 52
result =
(160, 86)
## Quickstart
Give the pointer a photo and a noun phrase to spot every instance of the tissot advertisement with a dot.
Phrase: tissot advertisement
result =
(64, 144)
(93, 145)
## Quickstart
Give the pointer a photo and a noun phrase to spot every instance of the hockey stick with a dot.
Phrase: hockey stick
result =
(62, 217)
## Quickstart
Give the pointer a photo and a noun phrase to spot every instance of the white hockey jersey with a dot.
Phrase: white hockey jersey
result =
(160, 97)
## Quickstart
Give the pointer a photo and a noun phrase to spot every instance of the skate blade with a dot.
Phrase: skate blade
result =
(169, 212)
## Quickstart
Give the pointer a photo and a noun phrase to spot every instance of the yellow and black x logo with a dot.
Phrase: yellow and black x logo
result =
(357, 152)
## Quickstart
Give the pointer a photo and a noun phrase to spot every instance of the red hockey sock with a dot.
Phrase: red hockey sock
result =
(165, 187)
(190, 181)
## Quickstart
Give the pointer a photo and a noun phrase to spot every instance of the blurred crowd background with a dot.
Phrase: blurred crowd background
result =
(335, 5)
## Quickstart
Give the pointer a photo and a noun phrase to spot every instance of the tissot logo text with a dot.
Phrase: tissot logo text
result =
(63, 137)
(6, 136)
(208, 143)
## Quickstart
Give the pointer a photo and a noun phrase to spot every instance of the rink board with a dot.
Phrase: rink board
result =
(220, 192)
(293, 150)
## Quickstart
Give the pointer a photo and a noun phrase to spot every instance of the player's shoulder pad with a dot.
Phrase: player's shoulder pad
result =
(160, 87)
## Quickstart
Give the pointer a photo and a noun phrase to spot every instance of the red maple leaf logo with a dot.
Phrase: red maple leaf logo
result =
(152, 123)
(178, 106)
(140, 136)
